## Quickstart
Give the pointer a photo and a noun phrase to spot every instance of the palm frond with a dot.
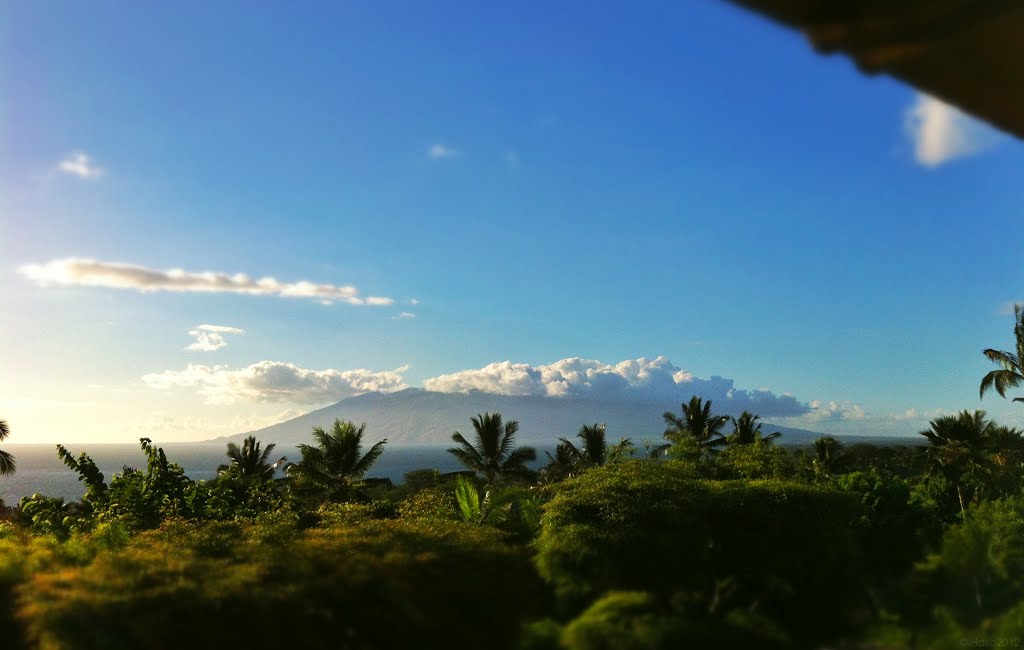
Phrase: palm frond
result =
(1001, 380)
(7, 465)
(469, 460)
(517, 459)
(508, 439)
(369, 458)
(466, 449)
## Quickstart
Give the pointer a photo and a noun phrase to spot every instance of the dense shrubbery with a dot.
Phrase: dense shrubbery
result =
(364, 583)
(710, 548)
(713, 540)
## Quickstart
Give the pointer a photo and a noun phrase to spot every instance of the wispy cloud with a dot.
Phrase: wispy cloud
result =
(81, 165)
(161, 424)
(210, 338)
(942, 132)
(405, 315)
(276, 381)
(440, 152)
(1006, 309)
(832, 411)
(94, 273)
(633, 380)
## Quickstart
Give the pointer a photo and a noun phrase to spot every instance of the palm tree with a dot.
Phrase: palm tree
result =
(493, 454)
(594, 451)
(747, 430)
(1007, 446)
(826, 450)
(249, 463)
(560, 466)
(961, 449)
(6, 459)
(1011, 373)
(621, 450)
(337, 459)
(698, 423)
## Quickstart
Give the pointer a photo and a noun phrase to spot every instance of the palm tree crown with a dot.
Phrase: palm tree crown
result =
(594, 450)
(961, 448)
(826, 450)
(493, 455)
(1011, 371)
(250, 463)
(337, 458)
(6, 459)
(747, 430)
(698, 423)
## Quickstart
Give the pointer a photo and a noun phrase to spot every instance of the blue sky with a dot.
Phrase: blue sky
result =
(525, 183)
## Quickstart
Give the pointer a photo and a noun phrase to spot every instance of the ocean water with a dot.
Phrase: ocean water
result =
(40, 471)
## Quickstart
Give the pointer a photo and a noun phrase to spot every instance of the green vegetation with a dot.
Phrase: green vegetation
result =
(493, 455)
(6, 459)
(332, 468)
(1011, 371)
(698, 432)
(723, 541)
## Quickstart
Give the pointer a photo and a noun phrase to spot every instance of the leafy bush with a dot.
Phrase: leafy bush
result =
(433, 504)
(636, 620)
(892, 528)
(978, 571)
(778, 548)
(372, 584)
(755, 461)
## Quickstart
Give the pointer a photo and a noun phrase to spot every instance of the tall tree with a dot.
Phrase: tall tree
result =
(826, 450)
(6, 459)
(747, 430)
(697, 423)
(560, 466)
(336, 460)
(493, 454)
(249, 463)
(961, 450)
(593, 451)
(1011, 371)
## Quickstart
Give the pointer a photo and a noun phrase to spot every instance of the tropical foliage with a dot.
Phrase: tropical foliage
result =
(1011, 364)
(332, 466)
(249, 464)
(697, 426)
(7, 464)
(494, 454)
(747, 430)
(967, 450)
(738, 541)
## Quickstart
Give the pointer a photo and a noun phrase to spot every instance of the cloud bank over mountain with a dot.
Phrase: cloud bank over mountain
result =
(275, 381)
(632, 380)
(635, 380)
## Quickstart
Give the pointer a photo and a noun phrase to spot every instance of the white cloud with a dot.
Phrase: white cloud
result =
(440, 152)
(405, 315)
(211, 337)
(942, 132)
(75, 271)
(846, 418)
(275, 381)
(639, 379)
(81, 165)
(832, 411)
(1006, 309)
